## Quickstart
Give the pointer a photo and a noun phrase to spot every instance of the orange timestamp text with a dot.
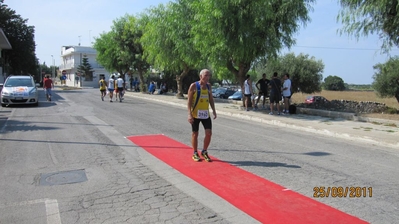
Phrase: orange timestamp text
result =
(342, 192)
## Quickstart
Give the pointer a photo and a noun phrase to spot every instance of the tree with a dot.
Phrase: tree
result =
(334, 83)
(236, 33)
(131, 35)
(361, 18)
(108, 52)
(305, 72)
(386, 78)
(168, 42)
(113, 49)
(85, 69)
(21, 58)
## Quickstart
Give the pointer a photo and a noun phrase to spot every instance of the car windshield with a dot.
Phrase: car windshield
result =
(220, 90)
(18, 82)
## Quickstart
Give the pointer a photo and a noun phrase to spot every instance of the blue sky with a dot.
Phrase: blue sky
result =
(60, 22)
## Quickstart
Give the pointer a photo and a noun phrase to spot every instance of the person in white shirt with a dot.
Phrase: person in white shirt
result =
(247, 91)
(111, 86)
(121, 86)
(286, 93)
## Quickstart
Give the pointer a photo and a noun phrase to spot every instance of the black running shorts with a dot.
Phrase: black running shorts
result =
(207, 123)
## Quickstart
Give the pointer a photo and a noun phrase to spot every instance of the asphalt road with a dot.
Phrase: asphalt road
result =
(80, 133)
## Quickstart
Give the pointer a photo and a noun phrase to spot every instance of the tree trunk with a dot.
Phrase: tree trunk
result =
(179, 80)
(240, 74)
(143, 86)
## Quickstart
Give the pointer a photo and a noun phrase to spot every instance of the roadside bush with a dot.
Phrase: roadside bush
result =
(391, 110)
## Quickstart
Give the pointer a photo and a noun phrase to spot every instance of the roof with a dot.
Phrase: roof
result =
(4, 43)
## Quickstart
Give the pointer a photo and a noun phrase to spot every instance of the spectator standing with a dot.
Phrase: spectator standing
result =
(199, 99)
(262, 85)
(275, 93)
(247, 91)
(47, 86)
(286, 93)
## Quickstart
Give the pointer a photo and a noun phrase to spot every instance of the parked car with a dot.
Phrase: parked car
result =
(19, 90)
(223, 93)
(315, 99)
(236, 96)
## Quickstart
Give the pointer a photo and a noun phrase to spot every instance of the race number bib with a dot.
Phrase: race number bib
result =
(203, 114)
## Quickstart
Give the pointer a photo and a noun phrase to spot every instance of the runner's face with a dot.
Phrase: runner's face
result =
(206, 76)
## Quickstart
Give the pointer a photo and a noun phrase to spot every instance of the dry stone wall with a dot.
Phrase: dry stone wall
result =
(359, 107)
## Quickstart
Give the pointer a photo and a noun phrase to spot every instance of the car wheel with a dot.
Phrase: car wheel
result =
(3, 105)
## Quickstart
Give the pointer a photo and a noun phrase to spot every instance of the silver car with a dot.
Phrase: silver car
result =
(19, 90)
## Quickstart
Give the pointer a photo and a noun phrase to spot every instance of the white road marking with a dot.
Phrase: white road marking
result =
(52, 210)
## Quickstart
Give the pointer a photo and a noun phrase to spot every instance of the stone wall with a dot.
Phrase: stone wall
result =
(348, 106)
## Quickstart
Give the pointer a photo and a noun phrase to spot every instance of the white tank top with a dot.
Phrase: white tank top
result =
(111, 84)
(246, 87)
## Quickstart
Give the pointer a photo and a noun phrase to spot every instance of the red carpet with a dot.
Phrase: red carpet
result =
(263, 200)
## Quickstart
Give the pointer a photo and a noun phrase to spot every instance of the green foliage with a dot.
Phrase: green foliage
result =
(305, 72)
(386, 78)
(334, 83)
(120, 49)
(361, 18)
(108, 53)
(168, 43)
(21, 58)
(235, 33)
(391, 110)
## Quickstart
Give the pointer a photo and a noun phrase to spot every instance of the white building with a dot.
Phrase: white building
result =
(72, 57)
(4, 44)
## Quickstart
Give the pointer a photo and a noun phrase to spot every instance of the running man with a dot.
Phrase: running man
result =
(111, 87)
(47, 86)
(103, 88)
(120, 85)
(199, 99)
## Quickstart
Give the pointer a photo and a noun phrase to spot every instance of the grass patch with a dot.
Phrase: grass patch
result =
(391, 131)
(376, 123)
(69, 88)
(391, 125)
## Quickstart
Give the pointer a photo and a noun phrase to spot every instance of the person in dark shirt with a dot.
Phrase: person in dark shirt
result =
(262, 86)
(275, 93)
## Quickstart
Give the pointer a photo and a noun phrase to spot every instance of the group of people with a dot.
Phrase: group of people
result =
(117, 85)
(162, 88)
(200, 98)
(278, 91)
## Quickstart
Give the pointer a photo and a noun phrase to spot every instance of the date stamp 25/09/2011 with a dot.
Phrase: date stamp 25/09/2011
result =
(342, 192)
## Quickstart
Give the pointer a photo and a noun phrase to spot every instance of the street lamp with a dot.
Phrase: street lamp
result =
(52, 71)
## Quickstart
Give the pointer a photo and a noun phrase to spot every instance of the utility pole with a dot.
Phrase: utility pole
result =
(79, 40)
(53, 69)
